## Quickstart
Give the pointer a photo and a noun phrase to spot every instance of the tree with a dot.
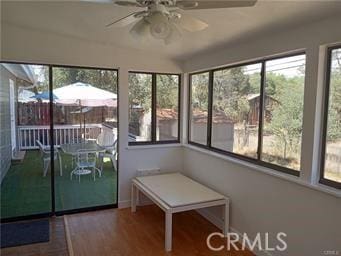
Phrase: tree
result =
(334, 110)
(200, 91)
(286, 117)
(140, 90)
(103, 79)
(231, 88)
(167, 91)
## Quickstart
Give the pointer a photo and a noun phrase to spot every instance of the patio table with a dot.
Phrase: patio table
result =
(72, 149)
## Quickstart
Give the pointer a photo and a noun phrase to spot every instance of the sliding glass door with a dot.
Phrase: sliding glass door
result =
(58, 139)
(25, 141)
(85, 135)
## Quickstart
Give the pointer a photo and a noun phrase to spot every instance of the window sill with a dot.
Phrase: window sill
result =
(151, 146)
(297, 180)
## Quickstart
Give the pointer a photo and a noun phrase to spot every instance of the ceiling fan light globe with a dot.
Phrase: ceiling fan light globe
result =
(140, 29)
(160, 30)
(159, 25)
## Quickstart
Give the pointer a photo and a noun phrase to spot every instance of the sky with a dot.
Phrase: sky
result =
(289, 66)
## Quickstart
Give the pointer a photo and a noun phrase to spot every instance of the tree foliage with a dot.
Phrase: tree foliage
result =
(140, 90)
(287, 115)
(230, 93)
(167, 91)
(200, 91)
(334, 110)
(103, 79)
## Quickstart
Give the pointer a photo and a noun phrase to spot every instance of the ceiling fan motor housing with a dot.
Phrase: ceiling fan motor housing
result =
(163, 2)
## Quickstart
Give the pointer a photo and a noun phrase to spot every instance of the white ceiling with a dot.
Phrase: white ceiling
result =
(86, 21)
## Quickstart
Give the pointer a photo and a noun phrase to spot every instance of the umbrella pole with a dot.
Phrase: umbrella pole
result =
(80, 119)
(84, 125)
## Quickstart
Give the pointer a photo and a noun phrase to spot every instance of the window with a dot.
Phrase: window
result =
(140, 103)
(331, 148)
(167, 107)
(235, 111)
(153, 108)
(283, 111)
(198, 115)
(252, 111)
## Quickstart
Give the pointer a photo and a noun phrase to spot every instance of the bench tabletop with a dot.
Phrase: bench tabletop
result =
(177, 190)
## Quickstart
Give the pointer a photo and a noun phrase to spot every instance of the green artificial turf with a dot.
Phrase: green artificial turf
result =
(24, 190)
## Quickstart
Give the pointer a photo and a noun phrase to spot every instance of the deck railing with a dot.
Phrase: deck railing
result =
(63, 134)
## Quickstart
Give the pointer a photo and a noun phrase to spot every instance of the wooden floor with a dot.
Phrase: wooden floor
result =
(119, 232)
(56, 246)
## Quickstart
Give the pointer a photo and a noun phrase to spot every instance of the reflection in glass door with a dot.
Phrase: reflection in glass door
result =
(25, 156)
(85, 135)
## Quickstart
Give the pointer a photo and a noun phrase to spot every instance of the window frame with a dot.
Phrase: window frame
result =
(326, 95)
(153, 140)
(208, 145)
(189, 109)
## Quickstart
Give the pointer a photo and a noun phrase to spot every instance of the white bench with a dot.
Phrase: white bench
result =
(174, 193)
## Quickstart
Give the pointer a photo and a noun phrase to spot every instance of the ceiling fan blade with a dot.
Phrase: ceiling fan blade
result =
(131, 18)
(173, 36)
(190, 24)
(128, 3)
(140, 30)
(207, 4)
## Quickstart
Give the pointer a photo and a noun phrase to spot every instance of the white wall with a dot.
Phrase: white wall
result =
(262, 202)
(5, 124)
(20, 44)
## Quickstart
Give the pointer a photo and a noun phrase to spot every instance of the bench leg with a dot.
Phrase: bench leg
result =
(133, 197)
(226, 218)
(168, 232)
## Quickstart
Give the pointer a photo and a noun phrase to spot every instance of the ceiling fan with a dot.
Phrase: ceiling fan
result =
(164, 19)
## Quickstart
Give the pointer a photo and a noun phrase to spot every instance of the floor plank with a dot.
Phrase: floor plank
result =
(120, 232)
(56, 246)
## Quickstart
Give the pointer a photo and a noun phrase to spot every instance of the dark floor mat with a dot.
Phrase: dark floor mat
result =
(21, 233)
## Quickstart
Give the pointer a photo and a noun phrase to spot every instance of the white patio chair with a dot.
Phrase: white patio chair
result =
(85, 164)
(45, 153)
(108, 141)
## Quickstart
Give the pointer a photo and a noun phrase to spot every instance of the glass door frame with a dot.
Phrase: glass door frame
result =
(53, 211)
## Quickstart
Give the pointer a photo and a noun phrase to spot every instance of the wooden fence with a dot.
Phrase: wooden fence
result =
(38, 113)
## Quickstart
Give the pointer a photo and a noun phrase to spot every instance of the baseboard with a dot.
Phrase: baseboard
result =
(207, 214)
(123, 204)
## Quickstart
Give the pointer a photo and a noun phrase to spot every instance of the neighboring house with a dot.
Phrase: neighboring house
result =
(139, 123)
(167, 124)
(13, 79)
(222, 128)
(253, 116)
